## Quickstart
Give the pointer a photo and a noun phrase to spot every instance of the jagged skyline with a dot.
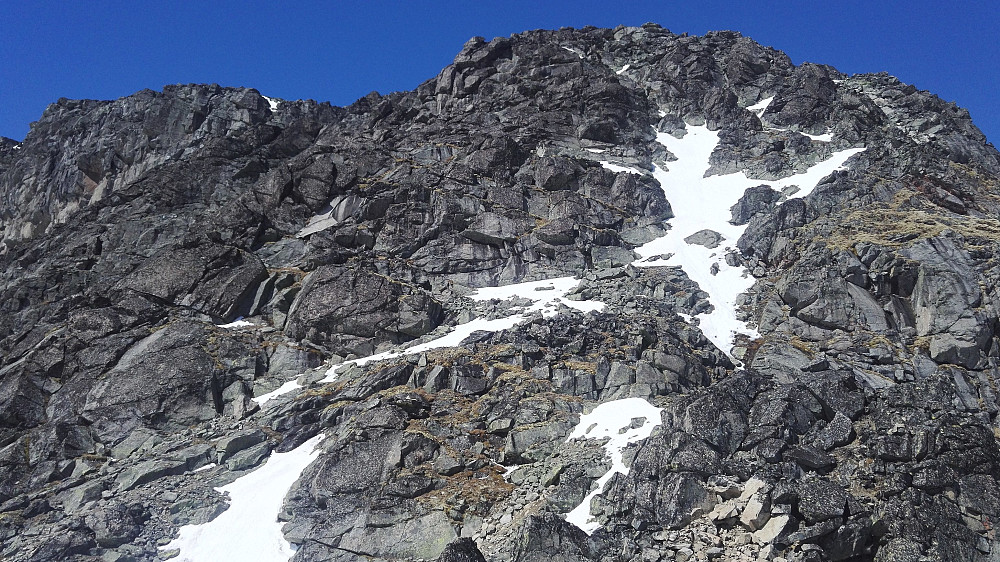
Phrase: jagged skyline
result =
(339, 53)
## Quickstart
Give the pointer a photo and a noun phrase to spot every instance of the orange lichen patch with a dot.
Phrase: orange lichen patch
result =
(908, 217)
(320, 391)
(586, 366)
(404, 389)
(482, 487)
(447, 356)
(802, 345)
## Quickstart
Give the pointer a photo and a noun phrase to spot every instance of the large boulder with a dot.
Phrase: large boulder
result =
(350, 309)
(173, 378)
(212, 279)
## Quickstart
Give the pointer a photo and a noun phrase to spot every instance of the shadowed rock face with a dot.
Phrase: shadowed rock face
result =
(860, 425)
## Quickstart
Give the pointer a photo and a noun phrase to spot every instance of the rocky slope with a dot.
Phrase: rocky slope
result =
(843, 408)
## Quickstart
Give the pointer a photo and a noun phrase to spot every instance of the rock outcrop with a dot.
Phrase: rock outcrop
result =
(170, 256)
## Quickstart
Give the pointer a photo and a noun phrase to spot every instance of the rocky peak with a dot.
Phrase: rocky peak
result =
(586, 294)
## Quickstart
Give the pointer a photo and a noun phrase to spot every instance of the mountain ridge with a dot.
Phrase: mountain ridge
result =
(139, 233)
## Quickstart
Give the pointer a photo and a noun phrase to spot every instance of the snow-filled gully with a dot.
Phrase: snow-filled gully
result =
(704, 203)
(248, 529)
(612, 421)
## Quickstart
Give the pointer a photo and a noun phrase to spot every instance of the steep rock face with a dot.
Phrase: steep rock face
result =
(859, 422)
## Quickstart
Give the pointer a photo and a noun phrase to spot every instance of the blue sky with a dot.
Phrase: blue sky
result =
(339, 51)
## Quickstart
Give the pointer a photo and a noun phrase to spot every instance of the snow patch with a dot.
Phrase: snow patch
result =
(334, 213)
(624, 69)
(760, 107)
(273, 102)
(619, 169)
(574, 51)
(239, 323)
(316, 224)
(508, 470)
(699, 203)
(249, 528)
(825, 137)
(612, 421)
(208, 466)
(546, 296)
(283, 389)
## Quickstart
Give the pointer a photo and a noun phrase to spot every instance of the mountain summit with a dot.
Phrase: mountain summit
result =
(596, 294)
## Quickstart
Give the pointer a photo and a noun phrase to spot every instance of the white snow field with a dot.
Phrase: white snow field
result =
(546, 296)
(701, 202)
(249, 529)
(607, 421)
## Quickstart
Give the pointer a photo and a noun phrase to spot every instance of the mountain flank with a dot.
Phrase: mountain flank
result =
(587, 294)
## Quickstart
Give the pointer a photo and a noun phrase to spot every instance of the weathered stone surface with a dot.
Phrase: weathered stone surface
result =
(148, 471)
(76, 498)
(173, 377)
(116, 523)
(821, 500)
(858, 426)
(707, 238)
(211, 279)
(347, 309)
(234, 443)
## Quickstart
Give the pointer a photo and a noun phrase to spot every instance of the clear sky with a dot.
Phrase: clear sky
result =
(338, 51)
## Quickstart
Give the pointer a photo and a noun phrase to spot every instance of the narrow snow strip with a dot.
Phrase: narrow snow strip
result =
(619, 169)
(208, 466)
(612, 421)
(825, 137)
(808, 180)
(239, 323)
(574, 51)
(760, 107)
(283, 389)
(508, 470)
(596, 150)
(249, 528)
(700, 203)
(624, 69)
(451, 339)
(546, 296)
(272, 102)
(333, 214)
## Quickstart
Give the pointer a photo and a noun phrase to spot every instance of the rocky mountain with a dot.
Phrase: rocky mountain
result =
(595, 294)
